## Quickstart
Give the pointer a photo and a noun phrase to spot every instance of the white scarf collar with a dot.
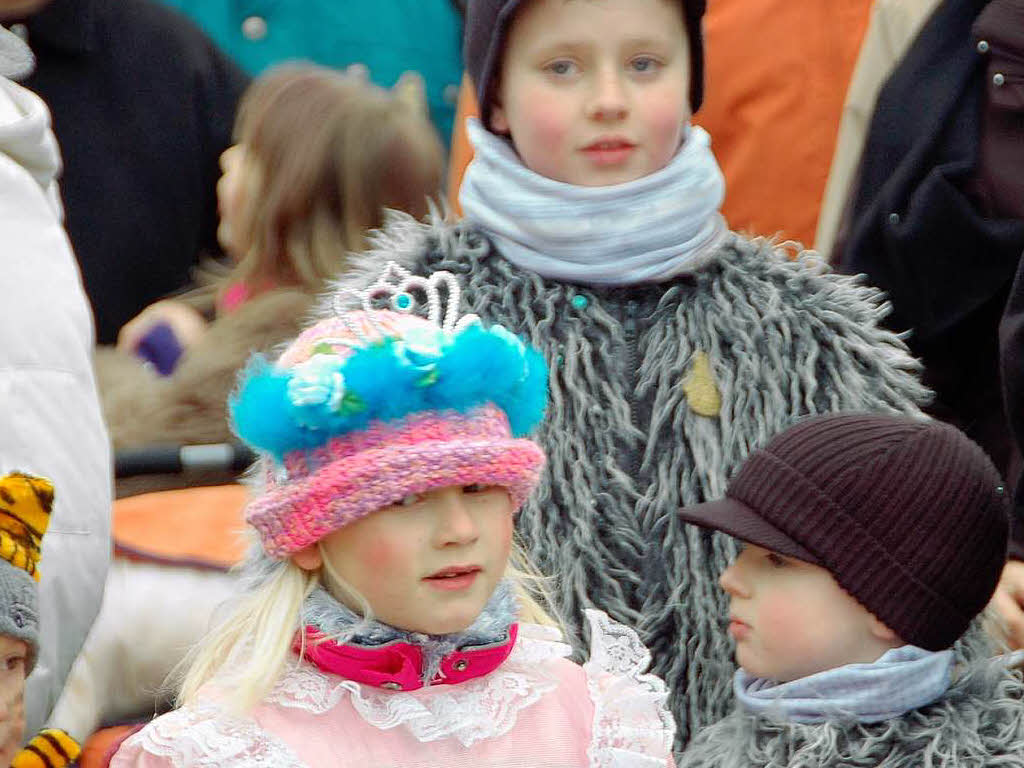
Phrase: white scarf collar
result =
(648, 230)
(901, 680)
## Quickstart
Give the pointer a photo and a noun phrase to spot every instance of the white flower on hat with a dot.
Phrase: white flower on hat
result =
(318, 381)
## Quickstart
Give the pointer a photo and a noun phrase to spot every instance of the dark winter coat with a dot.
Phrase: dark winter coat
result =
(918, 231)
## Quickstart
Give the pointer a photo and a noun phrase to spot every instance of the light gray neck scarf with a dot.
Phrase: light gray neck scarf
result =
(644, 231)
(901, 680)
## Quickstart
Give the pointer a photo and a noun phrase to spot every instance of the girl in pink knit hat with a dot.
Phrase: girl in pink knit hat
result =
(384, 623)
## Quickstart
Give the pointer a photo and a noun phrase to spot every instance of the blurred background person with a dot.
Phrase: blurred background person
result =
(142, 104)
(935, 211)
(319, 156)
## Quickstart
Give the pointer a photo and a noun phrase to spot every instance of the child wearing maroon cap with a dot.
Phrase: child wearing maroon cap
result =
(872, 543)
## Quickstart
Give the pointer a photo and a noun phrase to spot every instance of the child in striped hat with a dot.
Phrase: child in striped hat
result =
(25, 504)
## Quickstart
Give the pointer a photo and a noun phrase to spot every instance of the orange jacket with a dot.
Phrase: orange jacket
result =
(777, 72)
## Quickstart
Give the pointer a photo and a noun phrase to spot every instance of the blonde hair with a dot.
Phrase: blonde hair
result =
(326, 154)
(247, 652)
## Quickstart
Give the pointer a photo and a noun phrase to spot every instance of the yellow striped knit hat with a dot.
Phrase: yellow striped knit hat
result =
(25, 504)
(52, 748)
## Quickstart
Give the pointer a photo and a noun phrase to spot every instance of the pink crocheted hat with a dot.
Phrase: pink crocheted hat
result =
(373, 405)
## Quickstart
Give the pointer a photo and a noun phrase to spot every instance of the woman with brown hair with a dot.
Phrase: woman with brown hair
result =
(319, 157)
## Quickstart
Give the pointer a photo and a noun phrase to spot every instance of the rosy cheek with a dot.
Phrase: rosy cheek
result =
(540, 135)
(781, 622)
(379, 555)
(665, 123)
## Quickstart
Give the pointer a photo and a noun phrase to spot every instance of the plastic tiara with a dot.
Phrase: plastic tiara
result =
(392, 363)
(398, 286)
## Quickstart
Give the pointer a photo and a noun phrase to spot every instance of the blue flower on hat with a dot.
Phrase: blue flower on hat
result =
(421, 349)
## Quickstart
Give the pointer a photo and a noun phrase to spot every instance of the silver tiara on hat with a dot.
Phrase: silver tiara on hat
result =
(398, 289)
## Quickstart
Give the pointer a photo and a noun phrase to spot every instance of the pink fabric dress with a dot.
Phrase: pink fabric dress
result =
(537, 710)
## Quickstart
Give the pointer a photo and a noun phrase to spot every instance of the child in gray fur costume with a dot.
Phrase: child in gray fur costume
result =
(675, 346)
(874, 541)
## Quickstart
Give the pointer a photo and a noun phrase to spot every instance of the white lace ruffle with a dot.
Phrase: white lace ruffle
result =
(206, 737)
(633, 727)
(478, 709)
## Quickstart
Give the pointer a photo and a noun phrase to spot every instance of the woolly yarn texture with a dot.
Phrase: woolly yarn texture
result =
(626, 450)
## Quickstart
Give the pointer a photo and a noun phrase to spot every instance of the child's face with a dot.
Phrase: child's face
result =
(430, 563)
(791, 619)
(231, 198)
(13, 658)
(595, 92)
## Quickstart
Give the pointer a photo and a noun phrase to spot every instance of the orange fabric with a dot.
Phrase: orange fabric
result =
(461, 151)
(102, 745)
(776, 73)
(192, 526)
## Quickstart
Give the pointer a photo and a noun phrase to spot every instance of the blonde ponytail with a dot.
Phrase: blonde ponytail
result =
(247, 651)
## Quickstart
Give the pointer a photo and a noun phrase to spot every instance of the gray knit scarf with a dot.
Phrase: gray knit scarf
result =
(323, 611)
(644, 231)
(901, 680)
(978, 722)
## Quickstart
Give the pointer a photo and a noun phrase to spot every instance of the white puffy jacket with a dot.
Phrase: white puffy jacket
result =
(50, 420)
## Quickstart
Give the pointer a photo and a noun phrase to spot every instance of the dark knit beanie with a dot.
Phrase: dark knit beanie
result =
(908, 515)
(487, 26)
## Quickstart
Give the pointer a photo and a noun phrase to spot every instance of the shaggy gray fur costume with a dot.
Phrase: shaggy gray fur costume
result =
(625, 450)
(978, 723)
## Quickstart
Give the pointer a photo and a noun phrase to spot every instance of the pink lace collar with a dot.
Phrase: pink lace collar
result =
(398, 665)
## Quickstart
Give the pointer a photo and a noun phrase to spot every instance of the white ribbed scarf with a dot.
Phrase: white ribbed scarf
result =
(644, 231)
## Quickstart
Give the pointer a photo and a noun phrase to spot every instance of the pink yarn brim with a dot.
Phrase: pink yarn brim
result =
(299, 513)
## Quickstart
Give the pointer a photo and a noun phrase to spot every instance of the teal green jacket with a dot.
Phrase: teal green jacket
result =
(387, 37)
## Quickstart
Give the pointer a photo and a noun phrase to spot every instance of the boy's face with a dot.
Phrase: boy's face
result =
(13, 659)
(595, 92)
(790, 619)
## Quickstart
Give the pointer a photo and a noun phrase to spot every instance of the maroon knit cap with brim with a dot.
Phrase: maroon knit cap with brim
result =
(908, 515)
(487, 26)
